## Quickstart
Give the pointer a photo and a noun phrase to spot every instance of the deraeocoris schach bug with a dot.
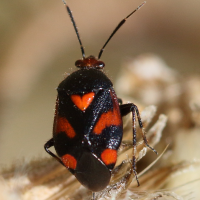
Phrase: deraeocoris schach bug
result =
(88, 127)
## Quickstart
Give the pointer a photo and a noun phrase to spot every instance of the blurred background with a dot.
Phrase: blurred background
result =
(38, 45)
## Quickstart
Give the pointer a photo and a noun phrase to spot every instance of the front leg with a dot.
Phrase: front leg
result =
(125, 109)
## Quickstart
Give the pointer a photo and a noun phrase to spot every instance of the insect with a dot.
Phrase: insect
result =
(88, 127)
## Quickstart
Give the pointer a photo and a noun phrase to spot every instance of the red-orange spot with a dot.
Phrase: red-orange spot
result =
(64, 126)
(82, 102)
(110, 118)
(109, 156)
(69, 161)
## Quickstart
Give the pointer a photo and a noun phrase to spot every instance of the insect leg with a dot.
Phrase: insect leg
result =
(93, 196)
(125, 109)
(49, 144)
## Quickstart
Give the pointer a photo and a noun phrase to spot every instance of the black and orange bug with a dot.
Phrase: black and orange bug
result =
(88, 127)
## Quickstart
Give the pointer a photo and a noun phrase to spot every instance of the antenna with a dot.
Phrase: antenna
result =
(75, 27)
(118, 26)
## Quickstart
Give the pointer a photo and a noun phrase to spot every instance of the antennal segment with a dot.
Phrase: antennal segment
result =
(75, 27)
(118, 26)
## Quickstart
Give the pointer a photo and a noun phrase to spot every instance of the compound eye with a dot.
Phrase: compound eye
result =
(79, 63)
(100, 64)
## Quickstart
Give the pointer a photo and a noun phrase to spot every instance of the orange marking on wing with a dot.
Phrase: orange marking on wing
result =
(110, 118)
(69, 161)
(64, 126)
(82, 102)
(109, 156)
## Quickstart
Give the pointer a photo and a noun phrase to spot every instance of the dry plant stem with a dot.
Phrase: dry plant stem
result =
(155, 131)
(153, 163)
(66, 190)
(157, 178)
(47, 180)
